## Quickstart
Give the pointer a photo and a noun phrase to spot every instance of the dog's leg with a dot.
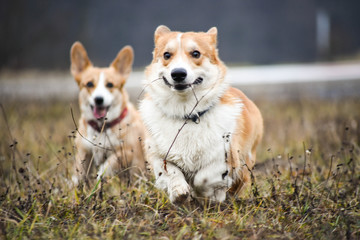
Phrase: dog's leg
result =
(121, 163)
(173, 181)
(113, 165)
(213, 181)
(107, 168)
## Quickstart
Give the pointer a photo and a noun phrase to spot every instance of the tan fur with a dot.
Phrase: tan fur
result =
(126, 155)
(205, 173)
(245, 139)
(202, 40)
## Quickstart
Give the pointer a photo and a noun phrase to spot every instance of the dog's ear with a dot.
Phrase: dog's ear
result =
(160, 30)
(123, 61)
(213, 34)
(79, 59)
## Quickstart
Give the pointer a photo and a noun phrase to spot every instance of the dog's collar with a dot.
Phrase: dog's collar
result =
(196, 116)
(94, 124)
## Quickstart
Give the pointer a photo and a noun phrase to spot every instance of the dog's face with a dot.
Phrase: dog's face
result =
(182, 61)
(101, 89)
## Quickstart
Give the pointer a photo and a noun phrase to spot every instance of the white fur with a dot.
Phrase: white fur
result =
(101, 91)
(173, 103)
(196, 162)
(180, 62)
(178, 38)
(109, 100)
(199, 150)
(107, 141)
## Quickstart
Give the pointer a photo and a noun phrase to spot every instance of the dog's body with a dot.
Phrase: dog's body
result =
(110, 129)
(213, 151)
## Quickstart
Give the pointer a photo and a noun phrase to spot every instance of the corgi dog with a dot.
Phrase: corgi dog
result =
(110, 129)
(202, 133)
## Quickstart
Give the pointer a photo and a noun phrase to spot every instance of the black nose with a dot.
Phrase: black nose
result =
(99, 100)
(178, 74)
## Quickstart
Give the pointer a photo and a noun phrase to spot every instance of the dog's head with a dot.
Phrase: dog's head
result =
(101, 89)
(186, 60)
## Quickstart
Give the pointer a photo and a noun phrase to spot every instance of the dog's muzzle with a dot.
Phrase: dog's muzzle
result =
(182, 86)
(99, 109)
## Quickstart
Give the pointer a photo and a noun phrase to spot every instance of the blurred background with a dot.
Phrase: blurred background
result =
(299, 60)
(36, 36)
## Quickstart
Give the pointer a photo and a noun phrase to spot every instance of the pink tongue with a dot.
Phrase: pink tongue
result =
(99, 112)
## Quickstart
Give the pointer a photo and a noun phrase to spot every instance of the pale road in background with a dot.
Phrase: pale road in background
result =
(290, 81)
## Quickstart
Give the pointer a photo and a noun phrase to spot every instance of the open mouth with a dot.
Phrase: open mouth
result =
(181, 87)
(99, 112)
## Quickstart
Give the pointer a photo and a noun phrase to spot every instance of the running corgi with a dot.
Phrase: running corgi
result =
(202, 133)
(110, 129)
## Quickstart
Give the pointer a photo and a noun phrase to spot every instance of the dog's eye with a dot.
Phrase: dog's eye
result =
(90, 84)
(167, 55)
(195, 54)
(109, 85)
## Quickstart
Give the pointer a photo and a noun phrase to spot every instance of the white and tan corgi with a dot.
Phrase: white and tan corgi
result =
(110, 129)
(209, 155)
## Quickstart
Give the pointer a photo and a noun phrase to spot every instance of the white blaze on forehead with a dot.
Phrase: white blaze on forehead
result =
(179, 40)
(179, 63)
(100, 88)
(102, 91)
(102, 78)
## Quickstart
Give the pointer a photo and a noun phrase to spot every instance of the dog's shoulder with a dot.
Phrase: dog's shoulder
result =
(234, 95)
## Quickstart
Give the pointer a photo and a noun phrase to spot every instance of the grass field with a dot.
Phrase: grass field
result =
(305, 185)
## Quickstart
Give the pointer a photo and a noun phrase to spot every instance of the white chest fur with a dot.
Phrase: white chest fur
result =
(102, 143)
(197, 145)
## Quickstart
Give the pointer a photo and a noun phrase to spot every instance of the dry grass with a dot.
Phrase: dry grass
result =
(306, 182)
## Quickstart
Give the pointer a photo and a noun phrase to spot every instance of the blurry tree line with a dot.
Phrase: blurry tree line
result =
(39, 33)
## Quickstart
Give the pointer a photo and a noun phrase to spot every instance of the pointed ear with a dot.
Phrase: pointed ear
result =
(123, 61)
(213, 34)
(79, 59)
(160, 30)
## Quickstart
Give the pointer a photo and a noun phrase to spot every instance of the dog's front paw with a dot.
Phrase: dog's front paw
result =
(104, 170)
(74, 181)
(219, 195)
(179, 192)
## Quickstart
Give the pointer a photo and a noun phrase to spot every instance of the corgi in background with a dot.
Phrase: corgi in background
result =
(202, 133)
(110, 131)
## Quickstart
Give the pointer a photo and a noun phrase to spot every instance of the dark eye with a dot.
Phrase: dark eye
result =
(90, 84)
(195, 54)
(167, 55)
(109, 85)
